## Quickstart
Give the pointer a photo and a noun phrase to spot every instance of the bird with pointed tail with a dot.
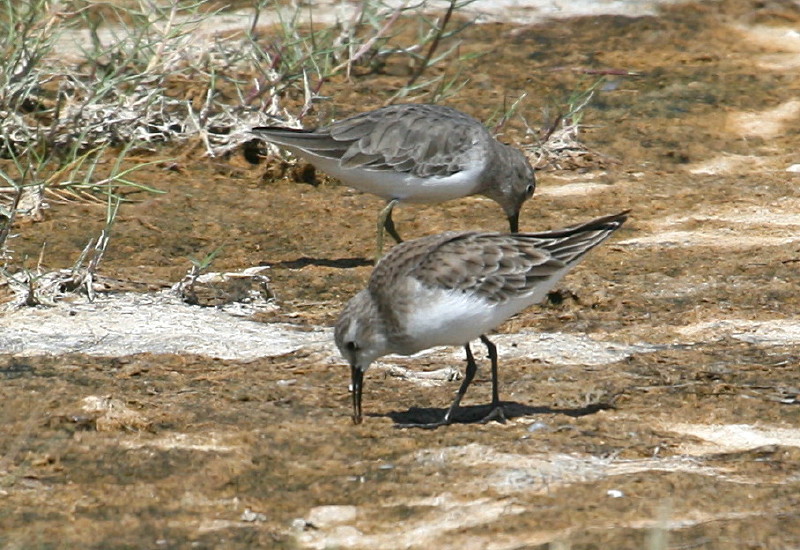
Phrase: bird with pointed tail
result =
(452, 288)
(414, 153)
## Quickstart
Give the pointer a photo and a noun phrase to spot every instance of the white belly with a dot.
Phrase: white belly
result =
(398, 185)
(453, 318)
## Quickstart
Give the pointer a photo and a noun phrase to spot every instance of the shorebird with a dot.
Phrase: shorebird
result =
(452, 288)
(414, 153)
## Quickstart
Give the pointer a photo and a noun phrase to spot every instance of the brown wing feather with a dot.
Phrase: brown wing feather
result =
(405, 258)
(496, 266)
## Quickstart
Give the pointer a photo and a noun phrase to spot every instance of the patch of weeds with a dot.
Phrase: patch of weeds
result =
(34, 288)
(201, 287)
(85, 84)
(559, 146)
(186, 289)
(426, 55)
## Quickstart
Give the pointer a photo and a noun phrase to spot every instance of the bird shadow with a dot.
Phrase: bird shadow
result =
(475, 414)
(340, 263)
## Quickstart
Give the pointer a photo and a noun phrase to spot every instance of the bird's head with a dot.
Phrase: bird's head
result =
(360, 338)
(513, 183)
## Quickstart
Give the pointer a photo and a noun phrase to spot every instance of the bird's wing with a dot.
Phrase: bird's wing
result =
(493, 266)
(570, 244)
(501, 267)
(318, 142)
(422, 140)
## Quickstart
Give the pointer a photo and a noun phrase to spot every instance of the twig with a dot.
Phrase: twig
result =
(508, 113)
(434, 44)
(366, 46)
(10, 217)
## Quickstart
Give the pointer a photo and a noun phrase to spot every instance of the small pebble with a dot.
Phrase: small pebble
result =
(249, 515)
(537, 426)
(326, 516)
(299, 524)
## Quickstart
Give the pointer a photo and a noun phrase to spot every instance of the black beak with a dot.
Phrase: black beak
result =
(356, 378)
(513, 222)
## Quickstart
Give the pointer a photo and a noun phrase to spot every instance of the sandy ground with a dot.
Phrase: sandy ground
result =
(655, 405)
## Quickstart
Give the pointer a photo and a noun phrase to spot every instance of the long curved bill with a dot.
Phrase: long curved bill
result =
(513, 222)
(356, 379)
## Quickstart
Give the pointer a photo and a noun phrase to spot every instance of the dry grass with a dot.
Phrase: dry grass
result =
(90, 90)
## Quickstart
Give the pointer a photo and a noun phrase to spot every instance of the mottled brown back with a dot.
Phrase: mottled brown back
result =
(495, 266)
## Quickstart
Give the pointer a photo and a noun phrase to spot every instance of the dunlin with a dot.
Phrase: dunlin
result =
(414, 153)
(451, 288)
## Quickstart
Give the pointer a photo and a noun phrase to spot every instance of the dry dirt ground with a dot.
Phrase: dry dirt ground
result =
(665, 413)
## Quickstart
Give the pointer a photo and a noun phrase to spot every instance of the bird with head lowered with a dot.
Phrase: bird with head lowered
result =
(455, 287)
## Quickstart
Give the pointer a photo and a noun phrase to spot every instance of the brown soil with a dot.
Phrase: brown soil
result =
(198, 444)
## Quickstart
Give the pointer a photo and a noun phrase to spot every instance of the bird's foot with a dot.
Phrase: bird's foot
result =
(497, 414)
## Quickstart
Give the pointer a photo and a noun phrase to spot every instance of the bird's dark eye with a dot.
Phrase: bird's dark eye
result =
(351, 346)
(529, 190)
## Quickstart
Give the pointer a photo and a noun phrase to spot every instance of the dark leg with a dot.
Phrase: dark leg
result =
(472, 368)
(492, 349)
(389, 226)
(385, 223)
(497, 409)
